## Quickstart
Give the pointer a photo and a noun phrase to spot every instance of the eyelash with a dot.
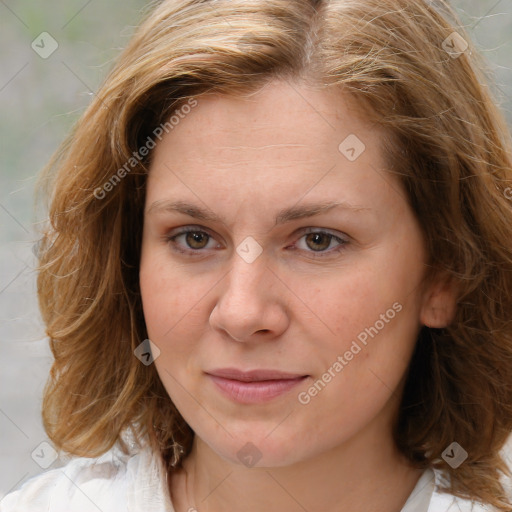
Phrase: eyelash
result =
(316, 254)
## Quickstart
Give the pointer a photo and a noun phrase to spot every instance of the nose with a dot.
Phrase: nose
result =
(251, 304)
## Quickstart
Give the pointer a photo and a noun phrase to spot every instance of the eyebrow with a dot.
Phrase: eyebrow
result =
(285, 215)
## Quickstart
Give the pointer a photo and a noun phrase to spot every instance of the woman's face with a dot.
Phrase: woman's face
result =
(287, 318)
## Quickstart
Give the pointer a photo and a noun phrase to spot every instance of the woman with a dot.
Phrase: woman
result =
(278, 271)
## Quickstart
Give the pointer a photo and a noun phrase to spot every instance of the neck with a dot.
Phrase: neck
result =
(363, 474)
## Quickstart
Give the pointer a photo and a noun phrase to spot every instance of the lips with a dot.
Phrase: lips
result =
(253, 375)
(254, 386)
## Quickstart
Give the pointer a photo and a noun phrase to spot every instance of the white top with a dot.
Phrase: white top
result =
(116, 482)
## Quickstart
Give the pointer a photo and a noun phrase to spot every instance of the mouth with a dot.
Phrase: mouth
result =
(255, 386)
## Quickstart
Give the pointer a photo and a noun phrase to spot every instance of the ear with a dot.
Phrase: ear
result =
(439, 303)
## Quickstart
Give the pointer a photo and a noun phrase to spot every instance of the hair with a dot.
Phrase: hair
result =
(445, 140)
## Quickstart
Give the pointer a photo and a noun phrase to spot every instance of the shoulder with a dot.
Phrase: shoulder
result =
(445, 502)
(82, 484)
(112, 482)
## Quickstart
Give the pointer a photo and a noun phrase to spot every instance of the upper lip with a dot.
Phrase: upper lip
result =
(253, 375)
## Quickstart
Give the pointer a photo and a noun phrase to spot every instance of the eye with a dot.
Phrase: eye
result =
(319, 241)
(316, 242)
(194, 239)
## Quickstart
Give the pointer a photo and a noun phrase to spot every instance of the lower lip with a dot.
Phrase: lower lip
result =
(254, 392)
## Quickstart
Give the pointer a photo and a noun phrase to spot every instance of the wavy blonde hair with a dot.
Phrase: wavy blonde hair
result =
(446, 141)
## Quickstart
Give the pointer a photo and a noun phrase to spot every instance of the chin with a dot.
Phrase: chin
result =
(261, 450)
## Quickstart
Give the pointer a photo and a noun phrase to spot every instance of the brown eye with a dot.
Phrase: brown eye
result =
(196, 239)
(318, 241)
(193, 242)
(318, 244)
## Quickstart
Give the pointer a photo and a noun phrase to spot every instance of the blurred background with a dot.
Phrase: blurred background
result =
(53, 58)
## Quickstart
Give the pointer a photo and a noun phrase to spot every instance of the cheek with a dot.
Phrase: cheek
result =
(360, 370)
(157, 298)
(172, 311)
(175, 314)
(344, 305)
(369, 318)
(168, 294)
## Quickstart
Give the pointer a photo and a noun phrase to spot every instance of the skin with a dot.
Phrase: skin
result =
(297, 307)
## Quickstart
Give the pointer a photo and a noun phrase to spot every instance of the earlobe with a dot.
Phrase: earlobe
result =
(440, 302)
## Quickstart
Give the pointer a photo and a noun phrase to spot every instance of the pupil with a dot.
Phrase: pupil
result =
(195, 238)
(316, 238)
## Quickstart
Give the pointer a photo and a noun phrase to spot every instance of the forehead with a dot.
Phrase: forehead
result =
(283, 143)
(281, 113)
